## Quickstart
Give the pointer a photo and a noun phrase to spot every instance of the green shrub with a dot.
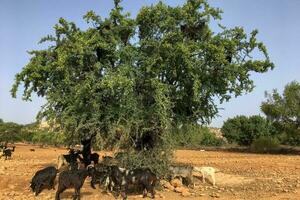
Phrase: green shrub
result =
(243, 130)
(10, 132)
(290, 138)
(158, 160)
(265, 144)
(209, 139)
(193, 136)
(185, 136)
(46, 137)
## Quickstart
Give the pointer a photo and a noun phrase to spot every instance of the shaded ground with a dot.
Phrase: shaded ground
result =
(241, 176)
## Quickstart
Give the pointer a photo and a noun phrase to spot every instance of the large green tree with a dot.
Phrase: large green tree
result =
(165, 66)
(284, 111)
(244, 130)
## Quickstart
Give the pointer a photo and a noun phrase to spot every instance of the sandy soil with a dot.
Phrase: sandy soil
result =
(241, 176)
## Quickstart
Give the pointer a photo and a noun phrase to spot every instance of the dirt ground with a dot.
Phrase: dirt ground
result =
(241, 176)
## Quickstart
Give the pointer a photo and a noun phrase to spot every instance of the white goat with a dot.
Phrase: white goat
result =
(205, 172)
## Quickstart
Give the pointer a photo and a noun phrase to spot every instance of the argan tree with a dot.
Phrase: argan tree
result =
(284, 111)
(128, 79)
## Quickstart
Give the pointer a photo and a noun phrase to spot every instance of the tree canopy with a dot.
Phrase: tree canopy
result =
(140, 73)
(9, 131)
(284, 110)
(244, 130)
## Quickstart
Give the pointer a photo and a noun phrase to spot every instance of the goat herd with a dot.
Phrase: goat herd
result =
(77, 165)
(83, 163)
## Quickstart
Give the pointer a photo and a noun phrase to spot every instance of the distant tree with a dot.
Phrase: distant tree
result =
(9, 132)
(284, 110)
(1, 120)
(140, 74)
(244, 130)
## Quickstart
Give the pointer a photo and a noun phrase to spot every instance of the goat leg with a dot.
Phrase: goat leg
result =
(150, 188)
(213, 179)
(123, 194)
(58, 192)
(145, 193)
(93, 185)
(51, 184)
(77, 194)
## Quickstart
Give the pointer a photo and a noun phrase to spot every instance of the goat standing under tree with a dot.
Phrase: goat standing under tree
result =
(87, 152)
(72, 179)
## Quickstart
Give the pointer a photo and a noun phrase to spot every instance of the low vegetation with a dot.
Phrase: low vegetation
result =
(265, 144)
(281, 125)
(194, 136)
(30, 133)
(243, 130)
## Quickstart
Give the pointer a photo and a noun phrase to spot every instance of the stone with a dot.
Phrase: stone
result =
(186, 194)
(285, 190)
(215, 195)
(163, 182)
(181, 189)
(176, 182)
(168, 186)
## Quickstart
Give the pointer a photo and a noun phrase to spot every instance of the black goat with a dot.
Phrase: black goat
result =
(86, 150)
(43, 178)
(95, 158)
(87, 160)
(69, 159)
(140, 177)
(101, 176)
(72, 179)
(120, 179)
(7, 152)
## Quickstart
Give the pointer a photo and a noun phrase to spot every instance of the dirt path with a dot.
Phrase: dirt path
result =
(241, 176)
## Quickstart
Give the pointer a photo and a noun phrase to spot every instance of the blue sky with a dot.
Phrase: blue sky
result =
(23, 23)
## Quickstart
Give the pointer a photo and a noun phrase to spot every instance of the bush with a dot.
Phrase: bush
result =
(209, 139)
(193, 136)
(10, 132)
(265, 144)
(158, 160)
(243, 130)
(290, 138)
(47, 137)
